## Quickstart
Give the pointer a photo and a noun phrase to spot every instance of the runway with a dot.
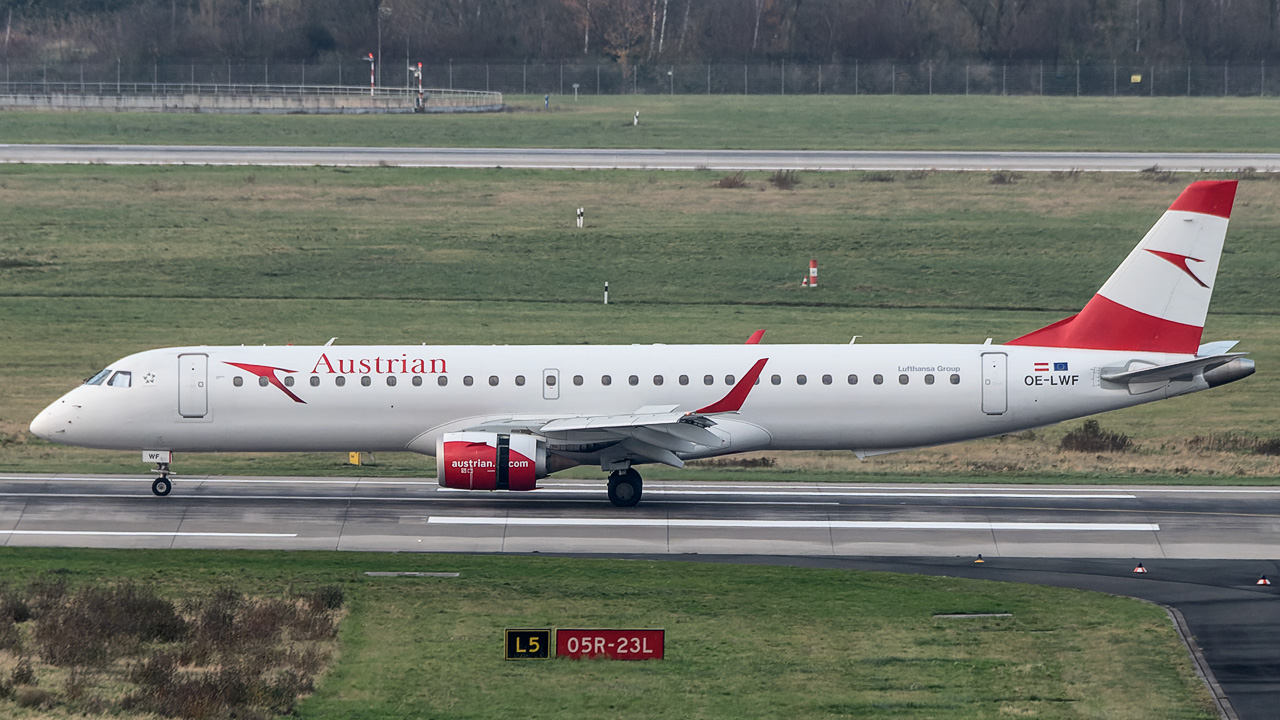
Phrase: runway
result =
(593, 159)
(675, 518)
(1204, 546)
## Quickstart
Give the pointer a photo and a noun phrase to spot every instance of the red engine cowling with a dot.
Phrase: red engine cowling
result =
(490, 461)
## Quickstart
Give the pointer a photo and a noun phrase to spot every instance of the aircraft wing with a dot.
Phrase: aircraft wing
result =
(654, 433)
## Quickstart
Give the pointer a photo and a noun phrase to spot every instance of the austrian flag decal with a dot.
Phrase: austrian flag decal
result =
(1057, 367)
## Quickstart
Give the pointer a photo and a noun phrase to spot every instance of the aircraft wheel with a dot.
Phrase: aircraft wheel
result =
(625, 488)
(161, 486)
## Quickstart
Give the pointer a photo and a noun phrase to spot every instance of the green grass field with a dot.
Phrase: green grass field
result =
(98, 262)
(741, 641)
(862, 122)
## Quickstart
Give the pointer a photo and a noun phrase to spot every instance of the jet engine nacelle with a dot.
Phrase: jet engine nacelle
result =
(490, 461)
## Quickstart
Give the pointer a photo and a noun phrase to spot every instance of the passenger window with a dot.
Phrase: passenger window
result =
(577, 380)
(262, 381)
(391, 381)
(237, 381)
(928, 379)
(826, 379)
(903, 379)
(776, 379)
(633, 380)
(550, 380)
(707, 380)
(315, 381)
(493, 381)
(340, 380)
(417, 381)
(519, 381)
(288, 381)
(97, 379)
(955, 379)
(853, 379)
(878, 379)
(684, 379)
(606, 380)
(728, 379)
(442, 380)
(467, 380)
(657, 379)
(366, 381)
(800, 379)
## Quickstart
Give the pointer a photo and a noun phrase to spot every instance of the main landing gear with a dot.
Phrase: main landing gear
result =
(162, 485)
(624, 487)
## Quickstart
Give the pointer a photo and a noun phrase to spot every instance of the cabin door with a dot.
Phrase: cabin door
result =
(193, 386)
(995, 394)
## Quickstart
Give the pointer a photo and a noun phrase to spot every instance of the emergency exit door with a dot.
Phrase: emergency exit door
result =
(995, 394)
(193, 386)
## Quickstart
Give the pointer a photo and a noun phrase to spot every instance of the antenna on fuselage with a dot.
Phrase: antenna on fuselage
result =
(330, 341)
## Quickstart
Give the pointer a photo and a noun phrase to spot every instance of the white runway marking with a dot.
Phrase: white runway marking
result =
(148, 533)
(650, 491)
(793, 524)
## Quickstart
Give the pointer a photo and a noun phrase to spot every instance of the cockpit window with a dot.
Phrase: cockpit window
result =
(97, 379)
(121, 379)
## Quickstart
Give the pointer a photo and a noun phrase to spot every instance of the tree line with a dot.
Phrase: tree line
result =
(632, 32)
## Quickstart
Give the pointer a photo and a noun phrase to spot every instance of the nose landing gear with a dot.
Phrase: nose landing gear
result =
(162, 485)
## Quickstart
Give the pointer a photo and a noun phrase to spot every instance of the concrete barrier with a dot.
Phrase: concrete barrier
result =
(238, 102)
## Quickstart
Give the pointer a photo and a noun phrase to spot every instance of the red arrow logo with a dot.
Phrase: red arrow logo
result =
(1179, 261)
(269, 373)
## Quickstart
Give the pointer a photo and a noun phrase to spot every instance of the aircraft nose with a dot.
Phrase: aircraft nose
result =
(46, 424)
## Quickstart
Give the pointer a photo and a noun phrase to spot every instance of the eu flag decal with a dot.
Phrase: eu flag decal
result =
(1059, 367)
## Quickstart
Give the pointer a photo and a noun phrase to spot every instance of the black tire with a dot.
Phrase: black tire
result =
(625, 488)
(162, 486)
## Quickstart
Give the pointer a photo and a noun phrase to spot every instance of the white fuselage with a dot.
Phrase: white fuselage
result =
(391, 398)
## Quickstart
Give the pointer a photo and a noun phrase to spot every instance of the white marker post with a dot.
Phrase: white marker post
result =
(606, 292)
(636, 122)
(581, 212)
(371, 64)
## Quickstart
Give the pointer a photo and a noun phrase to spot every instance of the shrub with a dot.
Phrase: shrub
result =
(1090, 437)
(918, 174)
(1004, 177)
(784, 179)
(326, 597)
(1155, 174)
(23, 674)
(1269, 446)
(46, 591)
(730, 182)
(13, 606)
(1072, 174)
(9, 637)
(33, 697)
(880, 177)
(156, 671)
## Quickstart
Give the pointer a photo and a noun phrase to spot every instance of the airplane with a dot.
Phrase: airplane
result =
(503, 417)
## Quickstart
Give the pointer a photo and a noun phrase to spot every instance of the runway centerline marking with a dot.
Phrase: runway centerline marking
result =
(788, 524)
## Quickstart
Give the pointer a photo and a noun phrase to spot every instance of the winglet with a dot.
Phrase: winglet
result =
(755, 337)
(737, 395)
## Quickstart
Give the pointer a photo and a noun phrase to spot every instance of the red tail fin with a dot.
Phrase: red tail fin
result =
(1158, 298)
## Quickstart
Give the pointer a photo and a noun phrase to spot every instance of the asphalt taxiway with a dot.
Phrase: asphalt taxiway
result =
(635, 159)
(1204, 547)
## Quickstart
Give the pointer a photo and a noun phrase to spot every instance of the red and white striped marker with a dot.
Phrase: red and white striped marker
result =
(812, 279)
(1263, 581)
(1140, 570)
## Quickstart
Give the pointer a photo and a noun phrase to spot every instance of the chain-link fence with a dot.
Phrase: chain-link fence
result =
(849, 78)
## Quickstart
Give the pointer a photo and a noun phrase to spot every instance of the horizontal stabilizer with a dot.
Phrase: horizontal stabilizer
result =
(1185, 370)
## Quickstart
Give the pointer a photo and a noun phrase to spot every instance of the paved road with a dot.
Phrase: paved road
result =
(1205, 547)
(719, 160)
